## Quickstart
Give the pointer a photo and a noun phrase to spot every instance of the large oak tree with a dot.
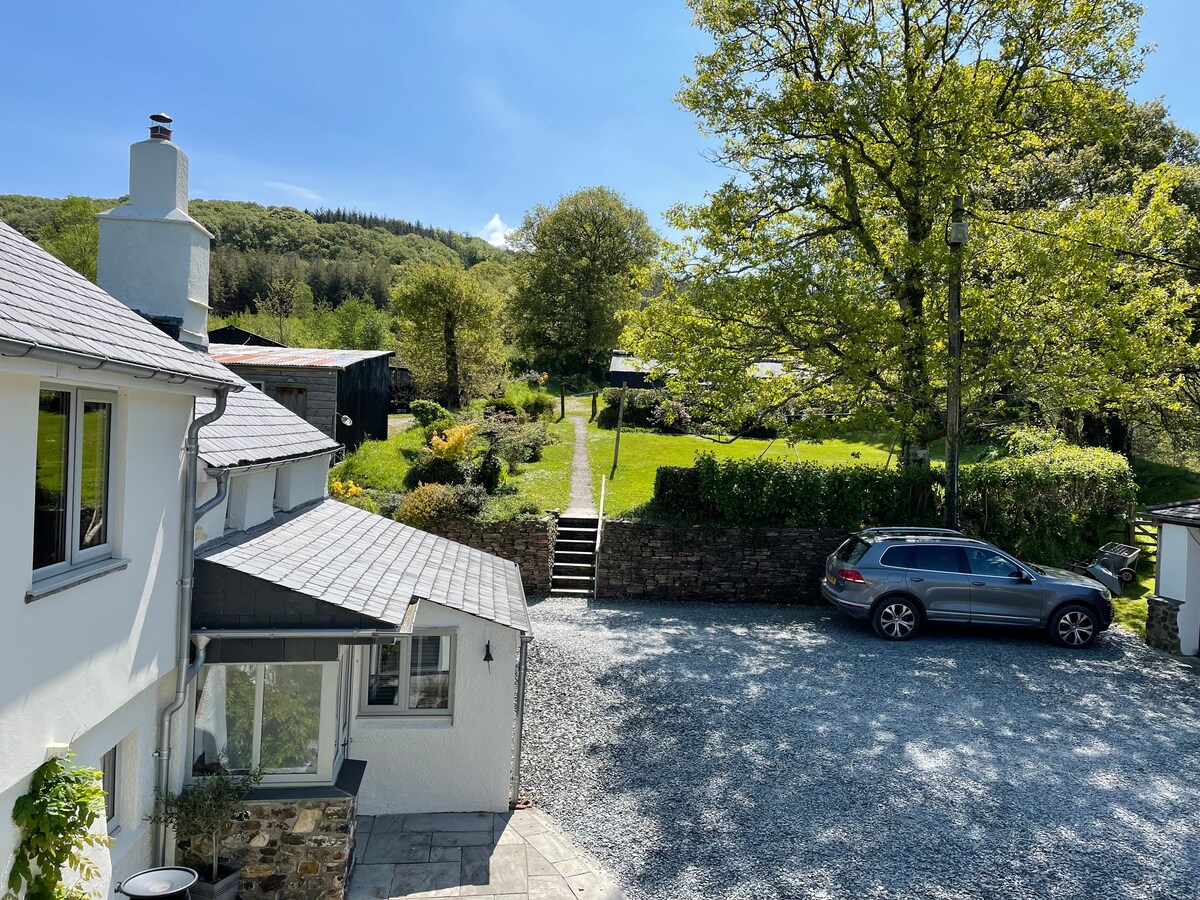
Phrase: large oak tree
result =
(847, 127)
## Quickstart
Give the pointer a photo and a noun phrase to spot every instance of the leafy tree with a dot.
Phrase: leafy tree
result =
(74, 235)
(280, 301)
(450, 333)
(848, 125)
(583, 261)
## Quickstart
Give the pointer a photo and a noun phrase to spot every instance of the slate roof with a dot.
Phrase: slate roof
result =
(48, 306)
(1181, 512)
(290, 357)
(372, 565)
(256, 429)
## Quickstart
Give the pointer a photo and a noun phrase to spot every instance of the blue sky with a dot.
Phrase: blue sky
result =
(451, 112)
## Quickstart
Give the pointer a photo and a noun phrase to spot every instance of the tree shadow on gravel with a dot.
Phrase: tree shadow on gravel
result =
(763, 752)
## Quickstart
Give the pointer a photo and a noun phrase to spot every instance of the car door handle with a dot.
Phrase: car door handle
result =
(979, 583)
(915, 578)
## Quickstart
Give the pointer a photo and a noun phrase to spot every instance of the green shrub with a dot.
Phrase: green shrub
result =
(428, 503)
(1050, 505)
(430, 469)
(539, 405)
(439, 426)
(427, 412)
(503, 406)
(640, 404)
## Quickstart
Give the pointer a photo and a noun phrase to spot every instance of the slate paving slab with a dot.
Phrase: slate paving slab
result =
(483, 856)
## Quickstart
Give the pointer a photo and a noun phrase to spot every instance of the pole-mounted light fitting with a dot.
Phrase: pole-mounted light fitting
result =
(957, 236)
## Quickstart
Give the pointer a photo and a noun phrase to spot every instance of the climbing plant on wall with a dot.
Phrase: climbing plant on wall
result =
(56, 818)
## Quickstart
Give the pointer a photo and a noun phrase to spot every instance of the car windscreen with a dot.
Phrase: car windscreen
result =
(852, 550)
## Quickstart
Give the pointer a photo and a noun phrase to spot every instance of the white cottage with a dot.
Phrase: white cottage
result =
(1173, 620)
(364, 666)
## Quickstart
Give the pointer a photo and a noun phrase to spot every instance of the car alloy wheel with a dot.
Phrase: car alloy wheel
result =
(1075, 628)
(897, 620)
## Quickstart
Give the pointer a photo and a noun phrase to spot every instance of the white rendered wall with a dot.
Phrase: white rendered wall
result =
(421, 765)
(251, 499)
(211, 525)
(80, 665)
(1179, 579)
(301, 482)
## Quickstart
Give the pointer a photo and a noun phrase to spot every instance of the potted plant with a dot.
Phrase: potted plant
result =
(201, 810)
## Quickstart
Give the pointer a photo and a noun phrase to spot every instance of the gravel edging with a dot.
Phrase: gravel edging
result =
(774, 752)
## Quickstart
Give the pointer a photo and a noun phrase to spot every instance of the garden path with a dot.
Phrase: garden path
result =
(581, 503)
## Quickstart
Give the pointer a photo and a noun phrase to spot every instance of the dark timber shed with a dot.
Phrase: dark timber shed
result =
(323, 387)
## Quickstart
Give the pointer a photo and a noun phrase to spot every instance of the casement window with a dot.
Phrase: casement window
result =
(72, 518)
(108, 781)
(279, 718)
(414, 676)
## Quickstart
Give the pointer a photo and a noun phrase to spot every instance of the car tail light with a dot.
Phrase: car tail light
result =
(851, 575)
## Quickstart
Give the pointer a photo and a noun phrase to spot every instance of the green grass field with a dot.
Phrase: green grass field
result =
(642, 452)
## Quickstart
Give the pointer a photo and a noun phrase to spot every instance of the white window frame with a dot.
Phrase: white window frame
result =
(326, 731)
(76, 557)
(110, 771)
(370, 654)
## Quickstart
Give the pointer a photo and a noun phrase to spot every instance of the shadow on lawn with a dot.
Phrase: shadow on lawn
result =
(782, 752)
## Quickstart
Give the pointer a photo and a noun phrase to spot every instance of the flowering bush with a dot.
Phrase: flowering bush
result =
(344, 490)
(452, 443)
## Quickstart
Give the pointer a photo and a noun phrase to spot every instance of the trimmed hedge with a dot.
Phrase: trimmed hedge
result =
(640, 404)
(1046, 506)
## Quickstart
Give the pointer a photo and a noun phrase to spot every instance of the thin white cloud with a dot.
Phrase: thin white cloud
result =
(495, 232)
(296, 190)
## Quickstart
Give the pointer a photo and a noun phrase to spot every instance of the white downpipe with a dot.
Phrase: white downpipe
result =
(514, 794)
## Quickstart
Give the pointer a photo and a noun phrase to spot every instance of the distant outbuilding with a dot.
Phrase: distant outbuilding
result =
(231, 334)
(344, 393)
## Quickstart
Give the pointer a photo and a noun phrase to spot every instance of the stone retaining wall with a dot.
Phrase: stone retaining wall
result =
(287, 850)
(1162, 624)
(527, 542)
(703, 562)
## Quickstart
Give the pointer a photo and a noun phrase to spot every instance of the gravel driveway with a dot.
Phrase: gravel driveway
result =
(771, 752)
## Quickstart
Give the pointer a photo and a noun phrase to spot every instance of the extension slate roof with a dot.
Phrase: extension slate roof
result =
(372, 565)
(1181, 512)
(256, 429)
(51, 309)
(290, 357)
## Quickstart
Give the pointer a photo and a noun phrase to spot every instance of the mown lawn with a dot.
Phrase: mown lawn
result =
(642, 452)
(547, 483)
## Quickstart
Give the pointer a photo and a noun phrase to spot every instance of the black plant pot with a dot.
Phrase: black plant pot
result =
(225, 888)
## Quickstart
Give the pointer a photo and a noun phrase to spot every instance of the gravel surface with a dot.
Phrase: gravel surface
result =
(776, 752)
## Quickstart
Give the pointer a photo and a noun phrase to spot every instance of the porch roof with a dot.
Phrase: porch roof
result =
(1181, 512)
(371, 565)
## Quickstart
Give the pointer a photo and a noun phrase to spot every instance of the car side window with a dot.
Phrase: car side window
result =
(897, 557)
(988, 562)
(938, 558)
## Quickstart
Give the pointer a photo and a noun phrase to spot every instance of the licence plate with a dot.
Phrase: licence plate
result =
(830, 578)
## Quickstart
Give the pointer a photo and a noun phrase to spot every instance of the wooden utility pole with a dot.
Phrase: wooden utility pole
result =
(562, 400)
(595, 395)
(957, 238)
(620, 419)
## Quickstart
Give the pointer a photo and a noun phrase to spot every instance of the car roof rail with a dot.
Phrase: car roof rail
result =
(904, 529)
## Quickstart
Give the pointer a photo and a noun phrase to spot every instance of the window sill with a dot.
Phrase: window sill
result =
(80, 575)
(382, 716)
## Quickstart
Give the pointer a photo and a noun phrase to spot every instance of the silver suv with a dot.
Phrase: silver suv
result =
(900, 578)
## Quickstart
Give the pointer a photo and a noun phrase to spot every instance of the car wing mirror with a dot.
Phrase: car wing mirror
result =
(1023, 576)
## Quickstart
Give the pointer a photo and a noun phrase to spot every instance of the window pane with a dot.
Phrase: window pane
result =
(50, 493)
(986, 562)
(291, 728)
(384, 682)
(93, 488)
(429, 673)
(108, 781)
(936, 559)
(224, 734)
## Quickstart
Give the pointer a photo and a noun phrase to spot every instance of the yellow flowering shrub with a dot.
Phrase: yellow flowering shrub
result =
(451, 443)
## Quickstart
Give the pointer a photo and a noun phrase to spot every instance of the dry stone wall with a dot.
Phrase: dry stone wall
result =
(1162, 624)
(652, 561)
(287, 850)
(527, 542)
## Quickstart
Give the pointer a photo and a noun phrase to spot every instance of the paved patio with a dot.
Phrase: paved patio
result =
(521, 855)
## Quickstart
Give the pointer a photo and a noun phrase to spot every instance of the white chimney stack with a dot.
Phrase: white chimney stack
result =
(154, 256)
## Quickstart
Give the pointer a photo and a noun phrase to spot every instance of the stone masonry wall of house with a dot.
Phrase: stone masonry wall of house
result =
(527, 542)
(699, 562)
(1162, 624)
(286, 849)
